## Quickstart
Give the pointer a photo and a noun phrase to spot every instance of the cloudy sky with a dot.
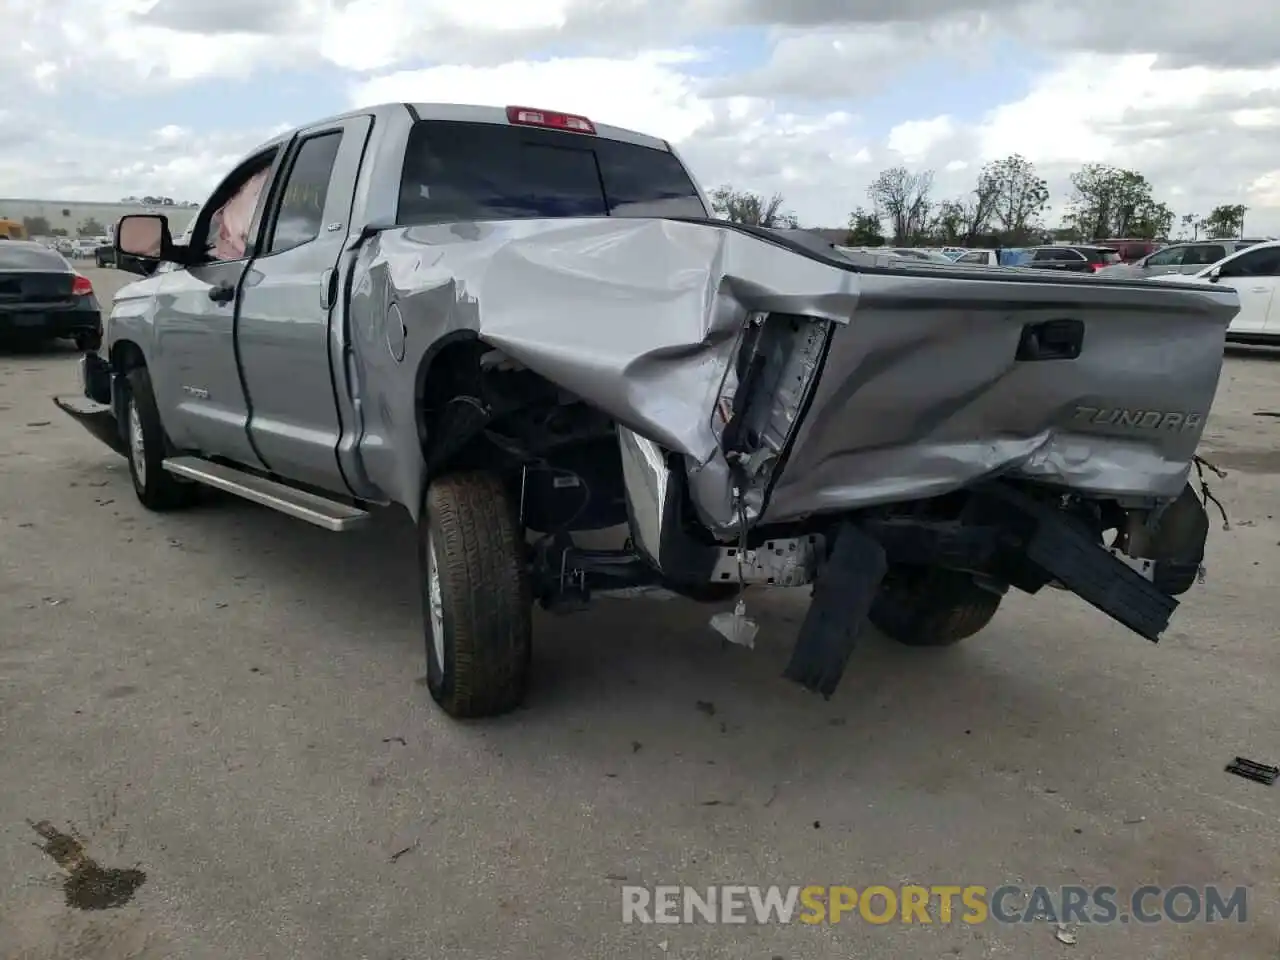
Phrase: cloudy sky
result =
(107, 98)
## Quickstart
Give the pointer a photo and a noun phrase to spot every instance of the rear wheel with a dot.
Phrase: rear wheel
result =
(476, 598)
(148, 446)
(931, 606)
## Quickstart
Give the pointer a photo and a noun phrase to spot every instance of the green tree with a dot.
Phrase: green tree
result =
(743, 206)
(949, 222)
(904, 199)
(92, 228)
(865, 229)
(37, 226)
(1019, 197)
(1109, 201)
(1226, 220)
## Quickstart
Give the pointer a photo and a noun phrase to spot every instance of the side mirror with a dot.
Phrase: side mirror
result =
(1215, 275)
(147, 236)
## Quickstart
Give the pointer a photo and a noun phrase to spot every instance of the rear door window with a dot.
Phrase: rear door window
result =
(1050, 253)
(305, 191)
(457, 171)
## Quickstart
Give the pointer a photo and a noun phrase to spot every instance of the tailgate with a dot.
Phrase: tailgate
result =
(1095, 385)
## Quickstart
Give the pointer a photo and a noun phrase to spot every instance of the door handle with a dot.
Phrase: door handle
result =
(222, 293)
(1259, 289)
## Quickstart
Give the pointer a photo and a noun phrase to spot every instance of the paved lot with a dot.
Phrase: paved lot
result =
(229, 701)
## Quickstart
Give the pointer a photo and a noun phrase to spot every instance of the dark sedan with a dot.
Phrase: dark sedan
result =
(42, 297)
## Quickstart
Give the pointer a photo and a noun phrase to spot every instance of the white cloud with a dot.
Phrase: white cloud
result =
(648, 92)
(915, 140)
(1195, 107)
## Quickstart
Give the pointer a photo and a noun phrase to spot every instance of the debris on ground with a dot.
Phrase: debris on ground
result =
(1063, 935)
(1262, 773)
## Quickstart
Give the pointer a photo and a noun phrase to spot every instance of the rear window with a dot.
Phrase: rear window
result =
(457, 171)
(30, 256)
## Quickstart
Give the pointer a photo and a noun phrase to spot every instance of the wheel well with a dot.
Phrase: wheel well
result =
(125, 356)
(478, 409)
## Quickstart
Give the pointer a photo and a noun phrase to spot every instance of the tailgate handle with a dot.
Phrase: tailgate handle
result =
(1051, 340)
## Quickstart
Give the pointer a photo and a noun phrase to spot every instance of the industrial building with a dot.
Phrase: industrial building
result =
(72, 216)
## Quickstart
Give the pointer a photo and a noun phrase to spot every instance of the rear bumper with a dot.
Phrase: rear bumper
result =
(84, 318)
(1004, 534)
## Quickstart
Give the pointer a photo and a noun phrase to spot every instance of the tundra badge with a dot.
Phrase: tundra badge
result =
(1176, 420)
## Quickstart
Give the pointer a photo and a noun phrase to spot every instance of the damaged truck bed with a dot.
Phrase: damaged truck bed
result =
(516, 361)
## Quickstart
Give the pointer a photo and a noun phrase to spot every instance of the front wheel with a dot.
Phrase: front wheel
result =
(476, 598)
(157, 489)
(932, 606)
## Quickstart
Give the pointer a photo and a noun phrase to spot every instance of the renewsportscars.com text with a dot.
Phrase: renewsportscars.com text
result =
(940, 904)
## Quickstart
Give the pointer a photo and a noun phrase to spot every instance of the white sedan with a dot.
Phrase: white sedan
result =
(1254, 273)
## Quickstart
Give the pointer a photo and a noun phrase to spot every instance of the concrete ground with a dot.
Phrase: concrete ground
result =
(230, 702)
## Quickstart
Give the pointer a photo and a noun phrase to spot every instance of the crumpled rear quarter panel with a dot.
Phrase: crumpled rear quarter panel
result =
(919, 394)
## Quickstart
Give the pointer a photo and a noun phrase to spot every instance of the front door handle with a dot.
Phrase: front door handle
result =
(222, 293)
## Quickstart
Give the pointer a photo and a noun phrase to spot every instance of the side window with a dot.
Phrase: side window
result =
(229, 228)
(301, 212)
(1173, 257)
(1256, 263)
(1208, 253)
(1050, 253)
(974, 257)
(1070, 254)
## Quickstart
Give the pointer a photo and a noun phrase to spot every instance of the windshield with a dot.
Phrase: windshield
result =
(16, 255)
(456, 171)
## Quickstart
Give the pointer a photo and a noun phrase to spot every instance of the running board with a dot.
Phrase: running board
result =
(321, 511)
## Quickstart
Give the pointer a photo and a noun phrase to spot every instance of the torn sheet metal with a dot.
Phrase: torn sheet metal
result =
(918, 391)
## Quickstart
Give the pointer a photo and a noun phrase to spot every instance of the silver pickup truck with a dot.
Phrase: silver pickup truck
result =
(521, 325)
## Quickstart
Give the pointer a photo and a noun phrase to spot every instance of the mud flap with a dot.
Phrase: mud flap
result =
(842, 595)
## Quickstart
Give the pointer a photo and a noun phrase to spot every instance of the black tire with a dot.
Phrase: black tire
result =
(145, 439)
(478, 665)
(931, 607)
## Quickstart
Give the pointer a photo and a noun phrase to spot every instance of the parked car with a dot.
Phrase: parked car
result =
(1186, 258)
(1254, 274)
(42, 297)
(907, 253)
(1076, 258)
(985, 258)
(524, 325)
(105, 255)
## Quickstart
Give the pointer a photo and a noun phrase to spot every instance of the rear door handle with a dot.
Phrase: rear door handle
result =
(222, 293)
(1051, 340)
